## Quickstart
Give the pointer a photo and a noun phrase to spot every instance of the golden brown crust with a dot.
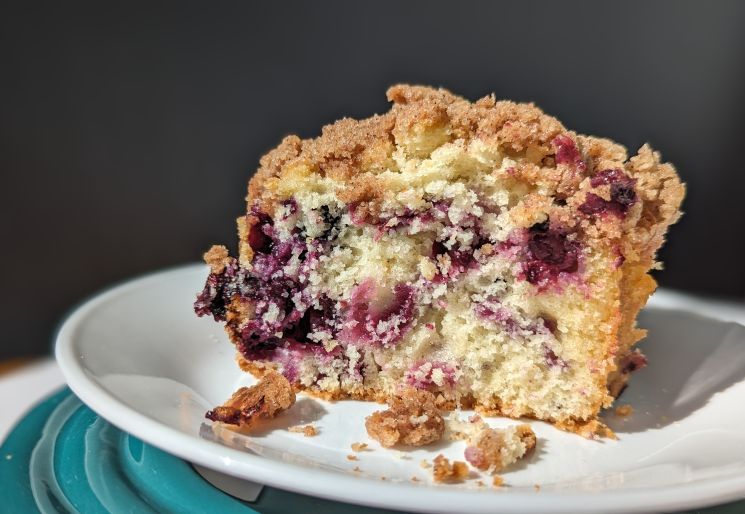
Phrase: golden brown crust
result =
(354, 151)
(577, 426)
(412, 419)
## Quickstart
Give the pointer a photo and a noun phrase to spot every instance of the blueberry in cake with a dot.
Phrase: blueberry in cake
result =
(480, 251)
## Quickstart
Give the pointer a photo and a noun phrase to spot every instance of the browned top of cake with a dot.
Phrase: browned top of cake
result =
(349, 147)
(354, 152)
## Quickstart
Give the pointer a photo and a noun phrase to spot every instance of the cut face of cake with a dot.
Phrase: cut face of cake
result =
(480, 251)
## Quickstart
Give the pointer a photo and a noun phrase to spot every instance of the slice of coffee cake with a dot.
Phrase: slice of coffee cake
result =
(479, 250)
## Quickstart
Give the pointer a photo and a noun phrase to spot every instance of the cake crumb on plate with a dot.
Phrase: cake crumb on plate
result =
(445, 472)
(265, 400)
(307, 430)
(624, 410)
(411, 419)
(359, 447)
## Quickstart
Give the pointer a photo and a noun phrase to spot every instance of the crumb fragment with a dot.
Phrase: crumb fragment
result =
(592, 429)
(357, 469)
(494, 449)
(424, 464)
(414, 479)
(272, 395)
(307, 430)
(459, 430)
(411, 419)
(359, 447)
(352, 457)
(217, 258)
(537, 487)
(444, 472)
(497, 481)
(383, 477)
(480, 483)
(624, 410)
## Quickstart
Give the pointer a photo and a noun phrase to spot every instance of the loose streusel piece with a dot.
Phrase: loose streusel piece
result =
(444, 472)
(272, 395)
(307, 430)
(624, 410)
(497, 481)
(352, 457)
(411, 419)
(495, 449)
(359, 447)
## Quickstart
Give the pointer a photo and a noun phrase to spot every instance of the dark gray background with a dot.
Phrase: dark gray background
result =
(128, 132)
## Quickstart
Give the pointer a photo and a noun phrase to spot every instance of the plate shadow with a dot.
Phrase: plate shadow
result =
(691, 358)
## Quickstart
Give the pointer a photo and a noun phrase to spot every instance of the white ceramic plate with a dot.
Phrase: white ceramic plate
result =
(139, 357)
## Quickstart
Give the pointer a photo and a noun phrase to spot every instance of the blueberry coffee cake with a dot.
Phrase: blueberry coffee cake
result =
(479, 251)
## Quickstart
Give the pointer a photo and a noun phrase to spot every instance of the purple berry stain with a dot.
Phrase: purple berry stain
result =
(550, 252)
(377, 314)
(622, 194)
(567, 152)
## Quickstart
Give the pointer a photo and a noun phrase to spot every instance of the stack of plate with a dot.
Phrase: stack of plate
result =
(146, 370)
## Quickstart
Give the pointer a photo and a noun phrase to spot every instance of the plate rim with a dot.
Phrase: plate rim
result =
(346, 488)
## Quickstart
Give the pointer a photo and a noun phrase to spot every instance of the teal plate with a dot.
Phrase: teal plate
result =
(63, 458)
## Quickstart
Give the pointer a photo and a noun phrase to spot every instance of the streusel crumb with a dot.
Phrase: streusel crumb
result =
(217, 258)
(359, 447)
(307, 430)
(444, 472)
(624, 410)
(411, 419)
(497, 481)
(592, 429)
(272, 395)
(494, 449)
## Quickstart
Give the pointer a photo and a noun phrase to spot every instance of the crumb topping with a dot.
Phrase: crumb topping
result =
(359, 447)
(217, 258)
(307, 430)
(411, 419)
(445, 472)
(270, 396)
